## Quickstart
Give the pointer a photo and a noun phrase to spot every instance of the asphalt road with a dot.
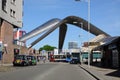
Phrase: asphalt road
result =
(47, 71)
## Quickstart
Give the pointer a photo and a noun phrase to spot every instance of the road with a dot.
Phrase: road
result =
(47, 71)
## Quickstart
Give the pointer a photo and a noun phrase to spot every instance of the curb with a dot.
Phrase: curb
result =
(6, 64)
(89, 72)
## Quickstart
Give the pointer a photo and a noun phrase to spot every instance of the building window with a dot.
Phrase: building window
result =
(4, 4)
(12, 13)
(13, 2)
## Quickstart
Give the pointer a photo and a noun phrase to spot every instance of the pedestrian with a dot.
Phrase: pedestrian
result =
(44, 59)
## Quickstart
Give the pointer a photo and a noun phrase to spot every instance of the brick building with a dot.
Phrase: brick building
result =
(11, 14)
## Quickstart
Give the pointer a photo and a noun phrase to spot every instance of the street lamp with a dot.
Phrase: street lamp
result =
(81, 24)
(77, 0)
(88, 30)
(80, 50)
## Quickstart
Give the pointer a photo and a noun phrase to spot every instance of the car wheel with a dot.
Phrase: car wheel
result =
(24, 64)
(14, 65)
(35, 63)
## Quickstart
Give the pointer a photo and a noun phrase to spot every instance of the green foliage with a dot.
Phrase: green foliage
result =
(47, 48)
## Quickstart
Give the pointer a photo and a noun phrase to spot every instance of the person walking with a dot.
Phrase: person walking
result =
(44, 59)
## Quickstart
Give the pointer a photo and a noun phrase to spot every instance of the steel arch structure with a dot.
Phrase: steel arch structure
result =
(52, 24)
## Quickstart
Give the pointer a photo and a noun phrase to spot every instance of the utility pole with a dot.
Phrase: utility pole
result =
(88, 1)
(88, 32)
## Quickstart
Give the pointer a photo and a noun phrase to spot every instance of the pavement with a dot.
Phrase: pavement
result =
(6, 67)
(101, 73)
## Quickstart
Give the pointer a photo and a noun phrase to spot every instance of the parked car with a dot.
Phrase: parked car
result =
(32, 60)
(20, 60)
(74, 61)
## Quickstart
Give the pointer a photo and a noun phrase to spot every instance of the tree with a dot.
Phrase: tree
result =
(47, 48)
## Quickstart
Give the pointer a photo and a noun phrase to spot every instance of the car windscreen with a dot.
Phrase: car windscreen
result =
(21, 57)
(31, 57)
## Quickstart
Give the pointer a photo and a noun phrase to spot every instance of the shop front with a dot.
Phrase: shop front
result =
(111, 54)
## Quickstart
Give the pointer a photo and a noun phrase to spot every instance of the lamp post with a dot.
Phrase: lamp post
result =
(88, 30)
(81, 24)
(80, 50)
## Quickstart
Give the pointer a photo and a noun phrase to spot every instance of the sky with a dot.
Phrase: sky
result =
(104, 14)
